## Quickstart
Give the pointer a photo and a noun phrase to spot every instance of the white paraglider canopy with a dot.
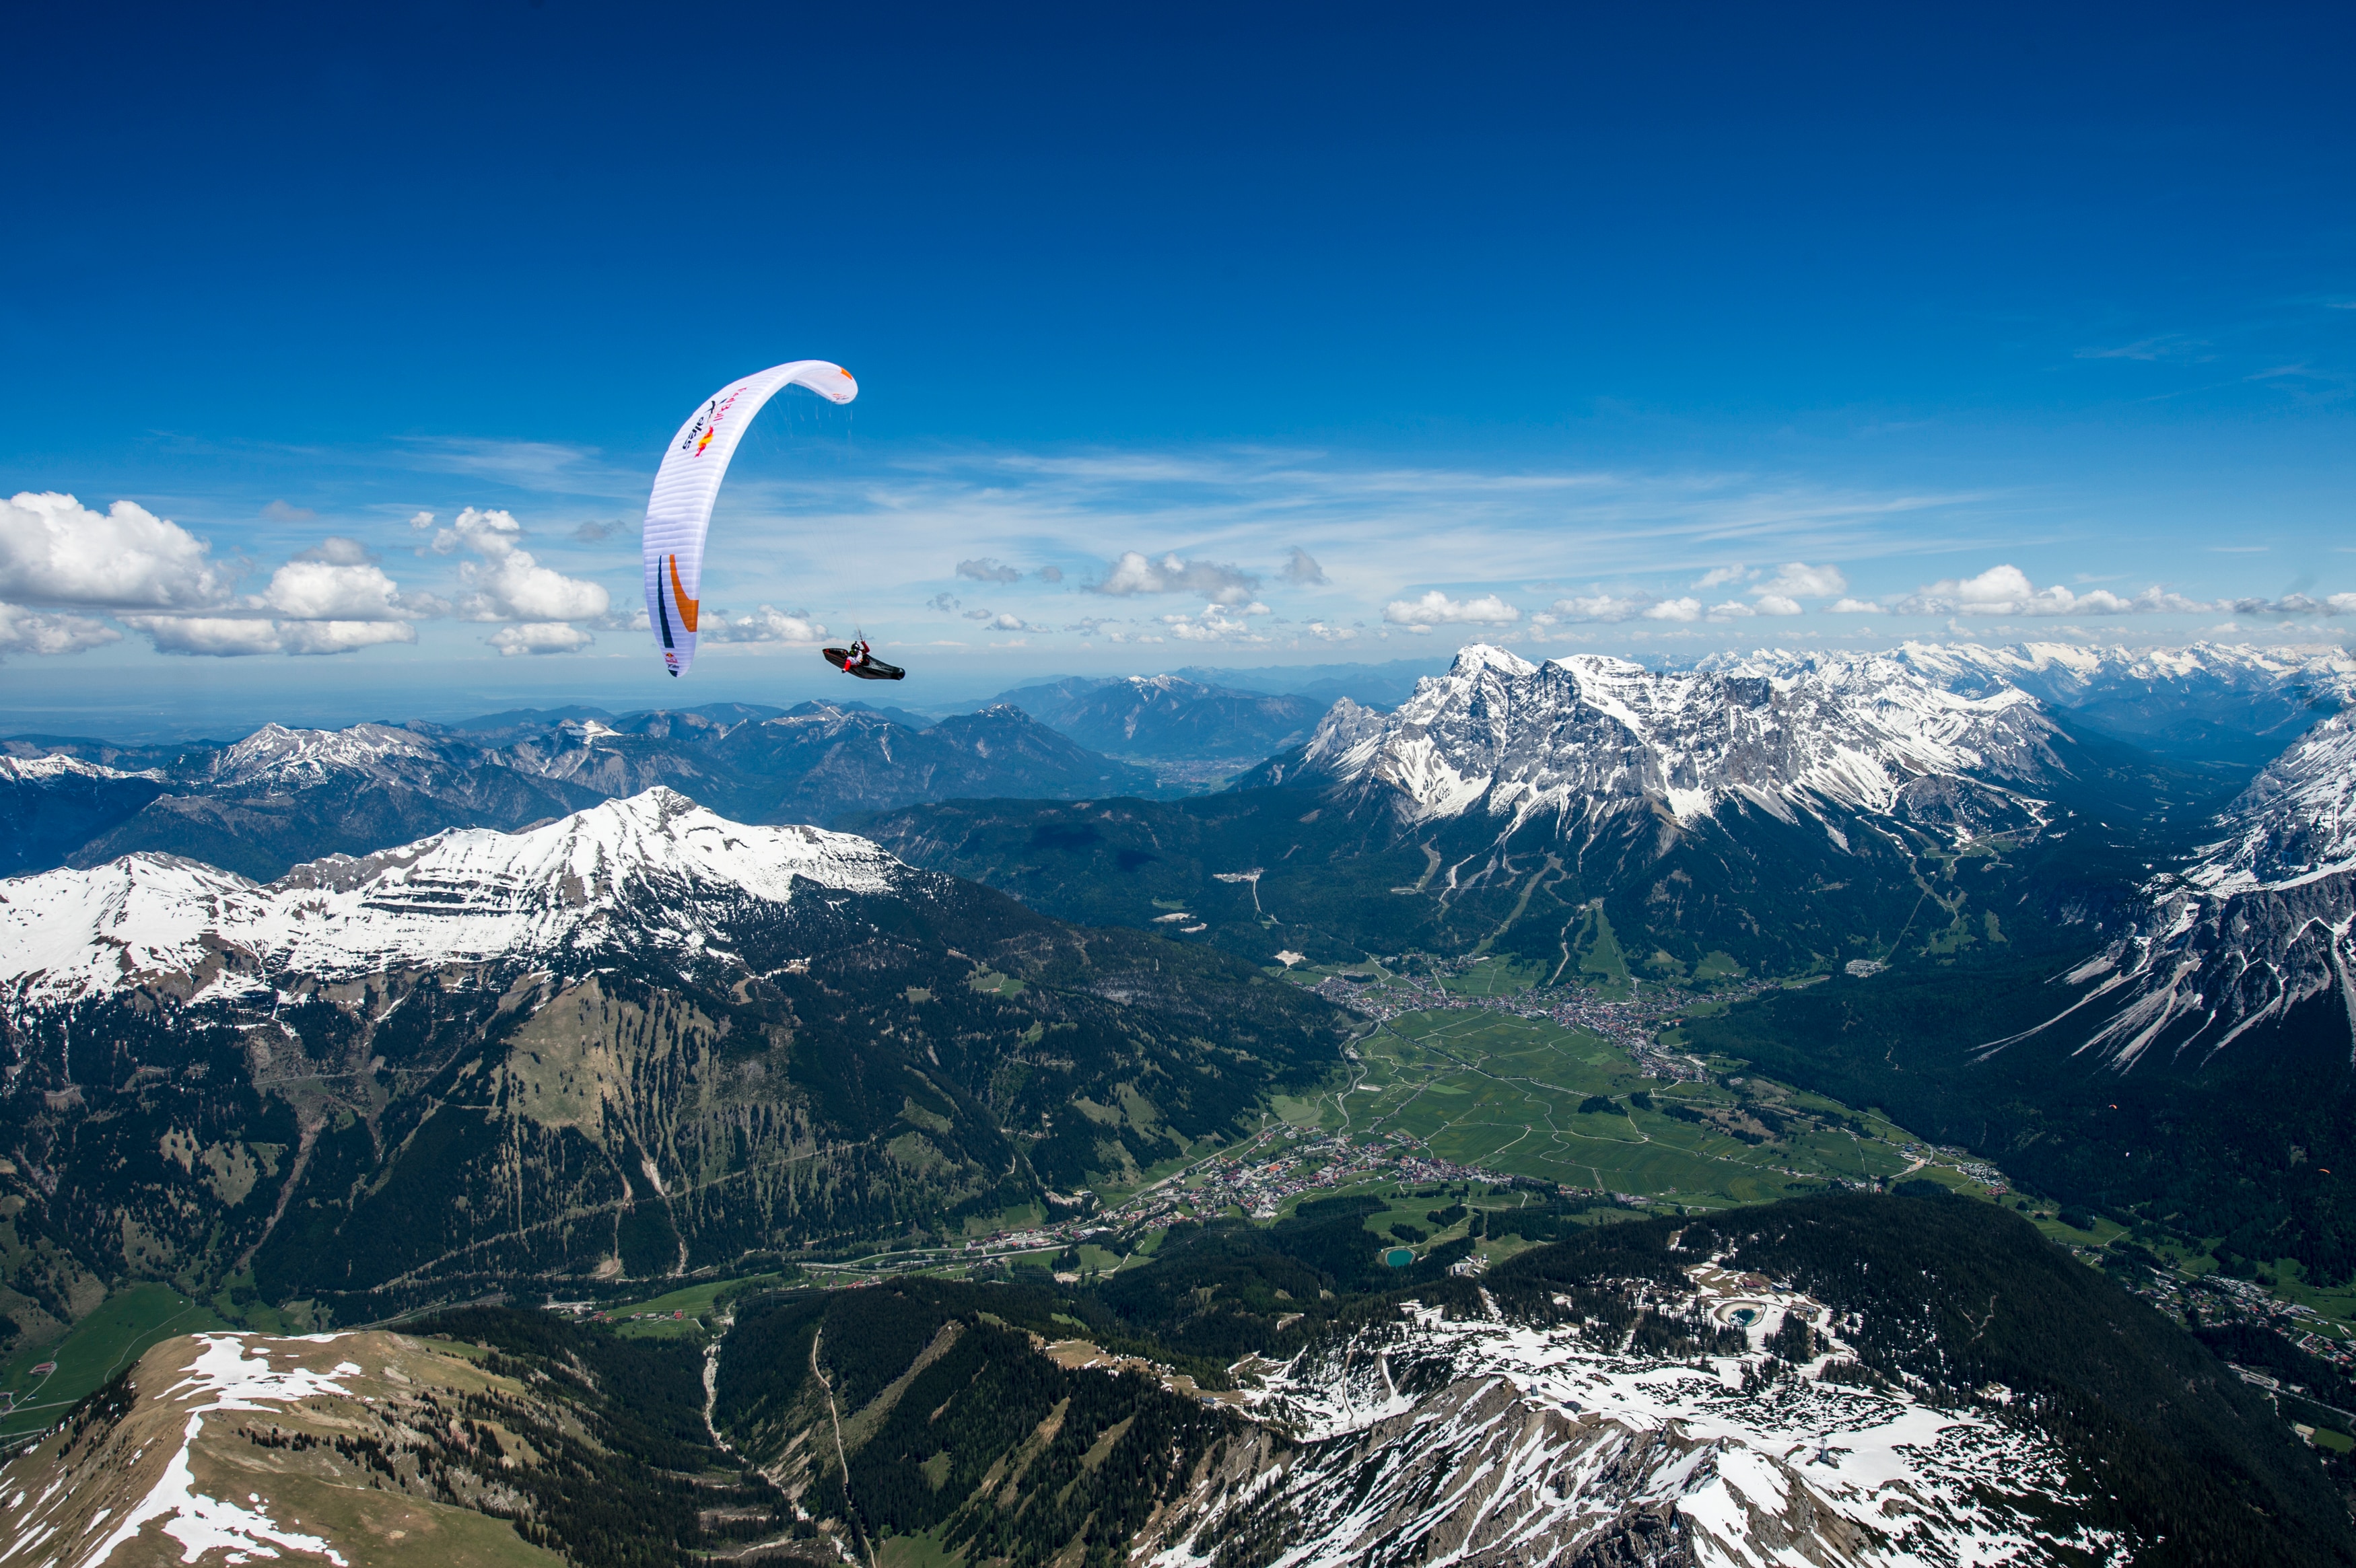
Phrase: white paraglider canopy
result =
(679, 515)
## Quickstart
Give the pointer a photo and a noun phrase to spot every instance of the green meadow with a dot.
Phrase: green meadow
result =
(1520, 1097)
(95, 1348)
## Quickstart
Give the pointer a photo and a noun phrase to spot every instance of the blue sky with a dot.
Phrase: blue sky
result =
(1336, 332)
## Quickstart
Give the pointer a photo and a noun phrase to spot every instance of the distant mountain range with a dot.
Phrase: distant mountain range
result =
(281, 796)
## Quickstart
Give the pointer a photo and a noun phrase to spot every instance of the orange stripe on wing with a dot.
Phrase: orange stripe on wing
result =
(679, 597)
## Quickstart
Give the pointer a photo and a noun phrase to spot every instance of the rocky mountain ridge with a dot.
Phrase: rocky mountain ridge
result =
(653, 873)
(2259, 926)
(1594, 743)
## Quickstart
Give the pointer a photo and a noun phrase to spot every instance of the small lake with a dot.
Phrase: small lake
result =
(1400, 1257)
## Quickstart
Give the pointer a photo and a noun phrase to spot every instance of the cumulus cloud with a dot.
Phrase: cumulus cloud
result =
(988, 570)
(215, 637)
(540, 637)
(23, 631)
(1325, 634)
(1437, 609)
(1797, 580)
(1730, 610)
(1051, 574)
(1133, 573)
(280, 512)
(594, 531)
(1674, 610)
(506, 583)
(1301, 569)
(944, 603)
(326, 591)
(767, 624)
(1217, 623)
(1856, 607)
(341, 636)
(978, 614)
(1719, 576)
(2007, 591)
(1776, 604)
(55, 550)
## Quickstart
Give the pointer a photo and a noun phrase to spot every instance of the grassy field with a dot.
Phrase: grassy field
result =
(1505, 1093)
(694, 1303)
(95, 1348)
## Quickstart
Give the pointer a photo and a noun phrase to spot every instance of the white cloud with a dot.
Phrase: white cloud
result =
(1797, 580)
(1002, 622)
(1606, 608)
(1733, 609)
(1301, 569)
(1719, 576)
(23, 631)
(1437, 609)
(1216, 623)
(598, 530)
(988, 570)
(280, 512)
(1856, 607)
(2007, 591)
(55, 550)
(944, 603)
(767, 624)
(1674, 610)
(1325, 634)
(1133, 573)
(508, 584)
(978, 614)
(540, 637)
(1051, 574)
(1776, 604)
(215, 637)
(341, 636)
(318, 591)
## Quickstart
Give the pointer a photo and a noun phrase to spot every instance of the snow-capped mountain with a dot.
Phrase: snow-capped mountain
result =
(2261, 924)
(656, 870)
(1590, 739)
(1480, 1443)
(2205, 701)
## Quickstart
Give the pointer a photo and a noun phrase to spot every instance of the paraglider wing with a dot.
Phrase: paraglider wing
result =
(680, 512)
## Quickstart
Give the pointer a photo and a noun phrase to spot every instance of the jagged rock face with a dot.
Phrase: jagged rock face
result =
(1484, 1443)
(2261, 924)
(1593, 741)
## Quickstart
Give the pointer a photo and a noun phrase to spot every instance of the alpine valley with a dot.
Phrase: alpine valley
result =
(329, 1055)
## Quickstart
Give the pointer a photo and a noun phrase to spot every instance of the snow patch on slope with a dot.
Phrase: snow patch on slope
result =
(655, 868)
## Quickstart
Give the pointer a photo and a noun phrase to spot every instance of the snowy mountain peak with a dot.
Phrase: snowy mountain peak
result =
(1590, 737)
(301, 758)
(655, 870)
(1474, 657)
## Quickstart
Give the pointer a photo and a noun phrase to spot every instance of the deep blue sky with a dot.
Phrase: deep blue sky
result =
(1555, 311)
